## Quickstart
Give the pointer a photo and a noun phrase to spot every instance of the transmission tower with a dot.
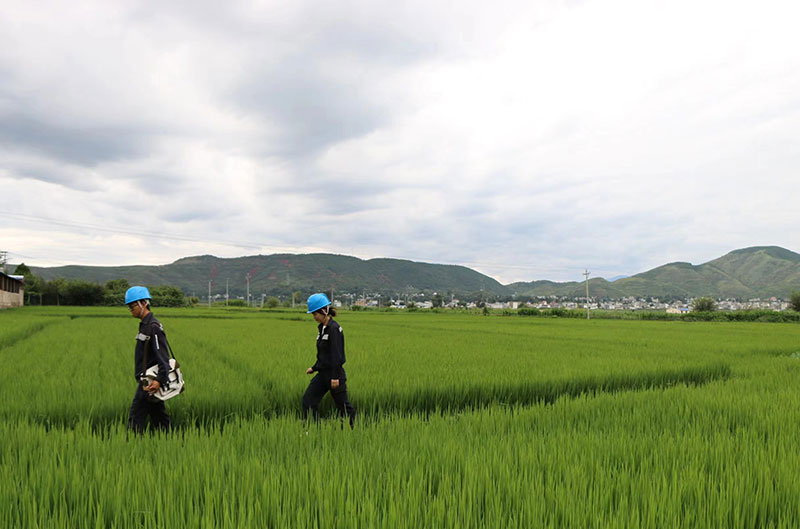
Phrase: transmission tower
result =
(586, 273)
(211, 277)
(248, 277)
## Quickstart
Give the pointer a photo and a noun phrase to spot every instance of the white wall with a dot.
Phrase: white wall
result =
(11, 299)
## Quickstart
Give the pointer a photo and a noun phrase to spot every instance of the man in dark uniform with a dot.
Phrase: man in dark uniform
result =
(151, 350)
(329, 365)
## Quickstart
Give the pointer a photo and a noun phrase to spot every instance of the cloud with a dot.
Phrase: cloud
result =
(530, 140)
(71, 144)
(311, 111)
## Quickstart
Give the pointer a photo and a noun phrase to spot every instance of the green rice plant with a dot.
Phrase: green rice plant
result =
(255, 365)
(466, 422)
(17, 325)
(683, 457)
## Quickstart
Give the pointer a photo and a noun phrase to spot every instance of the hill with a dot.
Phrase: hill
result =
(281, 274)
(757, 272)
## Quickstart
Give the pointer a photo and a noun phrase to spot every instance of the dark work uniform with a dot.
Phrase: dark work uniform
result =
(151, 349)
(330, 358)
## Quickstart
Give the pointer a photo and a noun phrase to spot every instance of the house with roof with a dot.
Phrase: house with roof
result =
(12, 290)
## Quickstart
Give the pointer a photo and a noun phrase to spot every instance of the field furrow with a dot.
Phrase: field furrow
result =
(464, 421)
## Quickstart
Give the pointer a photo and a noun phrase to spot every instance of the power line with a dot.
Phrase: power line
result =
(242, 244)
(57, 263)
(124, 231)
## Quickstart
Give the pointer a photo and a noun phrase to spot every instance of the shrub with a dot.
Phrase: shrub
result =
(704, 304)
(272, 302)
(167, 296)
(794, 301)
(77, 292)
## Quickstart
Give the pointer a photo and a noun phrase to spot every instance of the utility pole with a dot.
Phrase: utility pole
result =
(226, 291)
(250, 275)
(211, 277)
(289, 286)
(586, 273)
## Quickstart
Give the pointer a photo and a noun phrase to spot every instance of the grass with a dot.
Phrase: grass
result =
(465, 421)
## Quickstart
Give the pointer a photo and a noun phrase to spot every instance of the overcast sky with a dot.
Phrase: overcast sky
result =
(526, 139)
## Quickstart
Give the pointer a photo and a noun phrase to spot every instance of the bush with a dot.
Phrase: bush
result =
(117, 285)
(744, 315)
(114, 299)
(794, 301)
(167, 296)
(272, 302)
(529, 311)
(704, 304)
(77, 292)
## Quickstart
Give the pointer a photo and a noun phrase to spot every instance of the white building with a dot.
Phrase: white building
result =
(12, 291)
(678, 310)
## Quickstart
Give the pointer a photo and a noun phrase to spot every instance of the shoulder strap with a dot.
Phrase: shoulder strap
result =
(144, 357)
(147, 348)
(169, 348)
(166, 341)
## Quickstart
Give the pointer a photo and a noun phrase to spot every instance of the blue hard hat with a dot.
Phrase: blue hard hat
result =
(136, 294)
(316, 302)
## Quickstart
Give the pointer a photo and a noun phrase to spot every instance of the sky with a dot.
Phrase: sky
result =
(525, 139)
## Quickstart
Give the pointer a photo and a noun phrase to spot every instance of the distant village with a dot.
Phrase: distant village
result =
(628, 303)
(12, 294)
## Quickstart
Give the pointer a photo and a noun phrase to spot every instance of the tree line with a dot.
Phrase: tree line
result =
(59, 291)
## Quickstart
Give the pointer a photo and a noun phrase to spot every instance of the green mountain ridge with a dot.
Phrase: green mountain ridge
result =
(757, 272)
(281, 274)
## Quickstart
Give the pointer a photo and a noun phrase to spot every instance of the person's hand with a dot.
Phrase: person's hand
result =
(309, 371)
(153, 387)
(334, 383)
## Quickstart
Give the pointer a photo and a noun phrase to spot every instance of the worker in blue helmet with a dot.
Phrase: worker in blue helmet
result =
(330, 375)
(151, 350)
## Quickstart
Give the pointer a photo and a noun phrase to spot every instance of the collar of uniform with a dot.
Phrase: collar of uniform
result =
(147, 319)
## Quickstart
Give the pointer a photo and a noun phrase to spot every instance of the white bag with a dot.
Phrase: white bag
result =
(174, 379)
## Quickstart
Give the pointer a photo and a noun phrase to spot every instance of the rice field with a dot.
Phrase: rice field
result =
(464, 421)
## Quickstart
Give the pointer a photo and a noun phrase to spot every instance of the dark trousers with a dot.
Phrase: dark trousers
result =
(144, 406)
(317, 389)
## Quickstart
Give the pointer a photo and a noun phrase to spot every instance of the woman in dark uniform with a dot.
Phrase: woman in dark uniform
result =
(330, 359)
